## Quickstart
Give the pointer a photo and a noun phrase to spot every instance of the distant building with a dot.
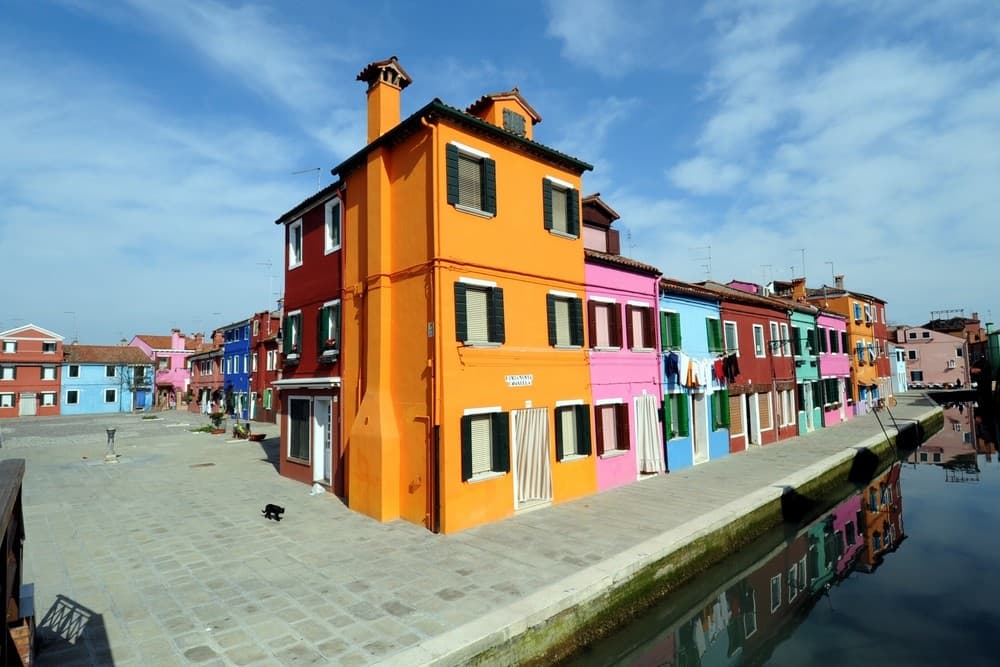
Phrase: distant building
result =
(207, 377)
(265, 365)
(105, 378)
(933, 358)
(30, 362)
(236, 367)
(169, 356)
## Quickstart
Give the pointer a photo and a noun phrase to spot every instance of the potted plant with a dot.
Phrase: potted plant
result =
(216, 419)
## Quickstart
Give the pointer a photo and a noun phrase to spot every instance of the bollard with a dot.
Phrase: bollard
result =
(109, 452)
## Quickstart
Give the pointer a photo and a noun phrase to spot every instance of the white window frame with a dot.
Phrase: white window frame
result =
(253, 363)
(49, 342)
(4, 373)
(793, 582)
(775, 343)
(295, 230)
(576, 455)
(73, 371)
(6, 400)
(618, 451)
(786, 341)
(725, 338)
(610, 304)
(776, 581)
(330, 224)
(480, 156)
(114, 395)
(647, 311)
(10, 347)
(109, 371)
(295, 333)
(564, 188)
(567, 298)
(761, 351)
(50, 370)
(485, 412)
(48, 399)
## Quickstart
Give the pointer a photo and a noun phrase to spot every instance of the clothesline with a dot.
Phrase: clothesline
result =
(711, 372)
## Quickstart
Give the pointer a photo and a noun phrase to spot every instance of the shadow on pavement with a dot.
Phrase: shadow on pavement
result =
(270, 447)
(72, 634)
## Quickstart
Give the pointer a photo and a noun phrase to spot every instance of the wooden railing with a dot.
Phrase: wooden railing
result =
(16, 649)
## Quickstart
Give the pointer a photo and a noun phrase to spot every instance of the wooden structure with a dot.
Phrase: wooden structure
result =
(17, 647)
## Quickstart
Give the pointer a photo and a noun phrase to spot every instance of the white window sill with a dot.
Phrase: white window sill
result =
(482, 344)
(473, 211)
(610, 454)
(568, 347)
(606, 349)
(562, 234)
(644, 350)
(573, 457)
(332, 250)
(294, 266)
(484, 477)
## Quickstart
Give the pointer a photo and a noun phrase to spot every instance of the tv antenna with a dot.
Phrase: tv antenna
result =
(942, 314)
(707, 259)
(318, 171)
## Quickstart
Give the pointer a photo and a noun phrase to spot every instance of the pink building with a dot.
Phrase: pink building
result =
(934, 358)
(624, 361)
(834, 367)
(847, 519)
(169, 356)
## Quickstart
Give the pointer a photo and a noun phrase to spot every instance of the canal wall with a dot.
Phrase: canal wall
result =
(558, 620)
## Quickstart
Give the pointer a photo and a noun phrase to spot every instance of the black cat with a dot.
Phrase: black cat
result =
(272, 511)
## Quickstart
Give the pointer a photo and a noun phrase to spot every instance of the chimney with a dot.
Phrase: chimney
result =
(838, 281)
(975, 315)
(385, 79)
(799, 289)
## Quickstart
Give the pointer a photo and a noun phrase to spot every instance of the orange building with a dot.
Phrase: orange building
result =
(466, 388)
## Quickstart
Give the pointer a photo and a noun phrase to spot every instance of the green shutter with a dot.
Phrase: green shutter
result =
(675, 329)
(576, 321)
(496, 321)
(724, 402)
(322, 328)
(490, 186)
(714, 335)
(461, 317)
(667, 435)
(583, 429)
(286, 341)
(451, 167)
(335, 334)
(550, 311)
(547, 202)
(500, 440)
(682, 425)
(466, 447)
(664, 330)
(573, 212)
(560, 452)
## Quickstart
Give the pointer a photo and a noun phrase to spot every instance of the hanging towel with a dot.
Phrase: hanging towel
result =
(718, 372)
(673, 368)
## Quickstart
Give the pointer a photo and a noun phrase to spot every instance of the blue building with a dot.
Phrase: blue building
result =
(105, 378)
(236, 367)
(695, 400)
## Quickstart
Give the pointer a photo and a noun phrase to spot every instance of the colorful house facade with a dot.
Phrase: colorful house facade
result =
(104, 378)
(621, 296)
(696, 416)
(463, 314)
(805, 348)
(30, 372)
(302, 362)
(205, 367)
(933, 359)
(169, 356)
(236, 368)
(265, 363)
(882, 509)
(834, 367)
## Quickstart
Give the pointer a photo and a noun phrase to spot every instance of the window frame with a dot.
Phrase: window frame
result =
(295, 255)
(786, 340)
(46, 349)
(54, 373)
(4, 396)
(676, 411)
(73, 371)
(670, 324)
(550, 186)
(308, 426)
(113, 393)
(725, 337)
(331, 244)
(776, 581)
(291, 336)
(645, 311)
(4, 373)
(775, 343)
(75, 393)
(47, 400)
(614, 322)
(495, 323)
(759, 345)
(109, 370)
(12, 344)
(582, 435)
(329, 327)
(622, 431)
(574, 319)
(499, 444)
(454, 152)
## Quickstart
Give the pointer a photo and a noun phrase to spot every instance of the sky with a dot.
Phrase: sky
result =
(147, 146)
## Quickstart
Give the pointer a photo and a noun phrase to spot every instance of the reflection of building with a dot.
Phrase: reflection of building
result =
(952, 447)
(882, 515)
(846, 525)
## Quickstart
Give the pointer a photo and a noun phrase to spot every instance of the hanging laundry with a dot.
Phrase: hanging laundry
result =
(718, 373)
(673, 368)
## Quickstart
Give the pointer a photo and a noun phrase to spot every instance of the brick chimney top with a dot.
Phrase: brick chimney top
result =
(838, 281)
(385, 71)
(385, 79)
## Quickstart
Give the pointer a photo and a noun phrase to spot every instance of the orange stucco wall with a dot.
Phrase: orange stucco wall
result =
(856, 332)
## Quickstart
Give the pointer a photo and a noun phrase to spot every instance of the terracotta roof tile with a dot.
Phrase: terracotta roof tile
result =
(620, 260)
(105, 354)
(513, 93)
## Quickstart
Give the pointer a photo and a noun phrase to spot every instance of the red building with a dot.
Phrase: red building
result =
(30, 359)
(308, 393)
(265, 362)
(206, 376)
(762, 399)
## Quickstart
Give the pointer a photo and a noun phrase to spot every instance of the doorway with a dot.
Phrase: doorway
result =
(322, 442)
(807, 404)
(532, 472)
(699, 427)
(29, 405)
(753, 418)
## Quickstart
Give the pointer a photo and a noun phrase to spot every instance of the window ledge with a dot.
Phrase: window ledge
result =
(330, 251)
(484, 477)
(294, 266)
(484, 344)
(612, 453)
(568, 347)
(573, 457)
(644, 350)
(474, 211)
(605, 349)
(563, 235)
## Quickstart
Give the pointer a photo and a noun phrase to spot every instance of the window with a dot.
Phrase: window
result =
(797, 341)
(332, 226)
(73, 371)
(849, 533)
(294, 244)
(245, 364)
(472, 180)
(292, 340)
(758, 340)
(8, 373)
(951, 364)
(811, 345)
(256, 327)
(6, 400)
(793, 581)
(479, 316)
(670, 330)
(834, 342)
(48, 398)
(860, 350)
(925, 334)
(714, 329)
(329, 328)
(843, 343)
(109, 371)
(612, 428)
(640, 327)
(572, 431)
(267, 399)
(857, 311)
(561, 207)
(485, 444)
(565, 319)
(253, 362)
(720, 409)
(822, 340)
(110, 395)
(731, 341)
(958, 352)
(72, 397)
(775, 592)
(775, 340)
(912, 335)
(299, 416)
(162, 363)
(10, 346)
(48, 372)
(786, 344)
(937, 457)
(868, 313)
(272, 360)
(513, 122)
(675, 416)
(604, 321)
(49, 348)
(748, 609)
(787, 403)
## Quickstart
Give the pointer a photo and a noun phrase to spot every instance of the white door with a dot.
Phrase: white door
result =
(753, 419)
(322, 441)
(699, 427)
(532, 473)
(29, 405)
(842, 399)
(807, 404)
(253, 405)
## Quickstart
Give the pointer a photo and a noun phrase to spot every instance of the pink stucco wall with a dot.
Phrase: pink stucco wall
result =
(835, 365)
(622, 373)
(842, 514)
(935, 351)
(177, 374)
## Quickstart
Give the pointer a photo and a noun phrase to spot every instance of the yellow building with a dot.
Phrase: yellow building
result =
(466, 387)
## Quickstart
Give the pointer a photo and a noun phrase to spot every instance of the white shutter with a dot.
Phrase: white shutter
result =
(476, 310)
(567, 418)
(482, 453)
(470, 186)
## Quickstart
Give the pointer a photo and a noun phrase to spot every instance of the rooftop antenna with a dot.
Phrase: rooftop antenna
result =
(833, 276)
(803, 251)
(765, 270)
(318, 171)
(76, 338)
(942, 314)
(707, 259)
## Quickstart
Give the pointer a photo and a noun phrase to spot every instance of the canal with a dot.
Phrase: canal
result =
(899, 572)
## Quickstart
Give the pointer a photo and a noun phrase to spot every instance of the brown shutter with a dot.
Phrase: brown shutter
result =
(764, 410)
(592, 323)
(736, 414)
(614, 242)
(649, 328)
(630, 336)
(621, 419)
(599, 429)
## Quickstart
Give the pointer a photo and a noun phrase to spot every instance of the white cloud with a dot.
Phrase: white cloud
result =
(703, 175)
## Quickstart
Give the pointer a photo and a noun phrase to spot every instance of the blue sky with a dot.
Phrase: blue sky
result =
(148, 145)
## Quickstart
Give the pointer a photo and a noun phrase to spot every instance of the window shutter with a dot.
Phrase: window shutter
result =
(451, 167)
(322, 328)
(583, 429)
(621, 421)
(664, 330)
(576, 321)
(560, 451)
(811, 341)
(599, 424)
(675, 329)
(335, 334)
(490, 186)
(592, 323)
(461, 316)
(649, 329)
(547, 202)
(497, 334)
(682, 415)
(714, 335)
(667, 426)
(616, 325)
(286, 342)
(500, 423)
(550, 311)
(573, 212)
(466, 445)
(630, 326)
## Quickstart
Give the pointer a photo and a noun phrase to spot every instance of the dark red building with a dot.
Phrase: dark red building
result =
(206, 376)
(307, 399)
(265, 363)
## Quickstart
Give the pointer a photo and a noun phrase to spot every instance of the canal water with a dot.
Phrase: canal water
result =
(900, 572)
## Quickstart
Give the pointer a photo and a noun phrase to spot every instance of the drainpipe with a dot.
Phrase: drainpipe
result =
(434, 455)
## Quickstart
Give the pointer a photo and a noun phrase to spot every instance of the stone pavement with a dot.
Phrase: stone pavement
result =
(164, 558)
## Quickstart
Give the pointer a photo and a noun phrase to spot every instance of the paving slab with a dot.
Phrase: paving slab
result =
(164, 555)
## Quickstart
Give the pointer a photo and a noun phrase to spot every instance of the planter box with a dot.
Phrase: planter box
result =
(218, 431)
(256, 437)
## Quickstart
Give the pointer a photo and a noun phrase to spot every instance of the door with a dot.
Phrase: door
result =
(253, 405)
(807, 404)
(842, 399)
(753, 419)
(699, 427)
(532, 472)
(322, 442)
(29, 405)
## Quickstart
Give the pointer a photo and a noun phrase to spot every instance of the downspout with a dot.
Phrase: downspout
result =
(434, 464)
